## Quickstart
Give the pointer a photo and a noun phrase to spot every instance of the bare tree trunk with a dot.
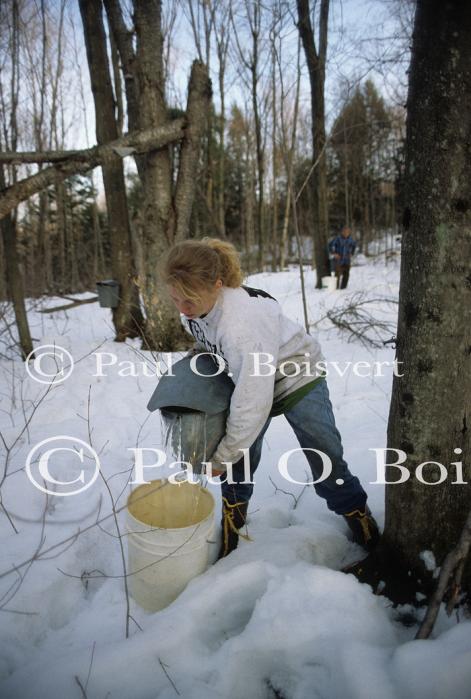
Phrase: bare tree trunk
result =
(284, 232)
(166, 215)
(29, 247)
(127, 316)
(222, 45)
(202, 25)
(14, 278)
(250, 60)
(98, 257)
(345, 175)
(3, 272)
(430, 408)
(255, 29)
(71, 247)
(41, 273)
(316, 67)
(249, 208)
(158, 223)
(275, 246)
(123, 39)
(117, 85)
(61, 225)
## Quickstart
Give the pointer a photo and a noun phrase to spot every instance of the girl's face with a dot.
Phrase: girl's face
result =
(195, 309)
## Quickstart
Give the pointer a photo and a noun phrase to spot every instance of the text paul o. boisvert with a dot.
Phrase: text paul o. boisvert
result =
(427, 472)
(148, 460)
(261, 364)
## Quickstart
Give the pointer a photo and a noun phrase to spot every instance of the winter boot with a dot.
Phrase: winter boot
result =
(233, 518)
(364, 528)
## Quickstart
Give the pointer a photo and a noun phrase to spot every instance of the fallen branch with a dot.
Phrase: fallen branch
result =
(361, 325)
(65, 307)
(452, 566)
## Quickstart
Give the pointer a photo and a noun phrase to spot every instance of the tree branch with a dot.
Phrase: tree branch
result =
(131, 143)
(453, 565)
(199, 104)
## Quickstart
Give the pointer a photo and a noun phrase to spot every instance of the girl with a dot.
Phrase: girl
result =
(272, 362)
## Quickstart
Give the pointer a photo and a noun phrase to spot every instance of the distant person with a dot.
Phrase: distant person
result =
(342, 247)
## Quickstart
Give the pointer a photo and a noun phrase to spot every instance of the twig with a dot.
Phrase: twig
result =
(353, 318)
(84, 693)
(163, 666)
(89, 576)
(287, 492)
(19, 611)
(452, 566)
(19, 566)
(21, 577)
(90, 666)
(115, 517)
(66, 306)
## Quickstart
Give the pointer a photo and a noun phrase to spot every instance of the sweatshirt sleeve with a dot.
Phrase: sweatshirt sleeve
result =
(252, 398)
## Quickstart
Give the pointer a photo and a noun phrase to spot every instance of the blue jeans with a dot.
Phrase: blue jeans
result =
(313, 423)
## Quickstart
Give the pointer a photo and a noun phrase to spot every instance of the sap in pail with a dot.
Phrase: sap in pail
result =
(329, 283)
(168, 526)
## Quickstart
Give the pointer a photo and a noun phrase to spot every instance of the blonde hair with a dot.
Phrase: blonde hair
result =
(193, 266)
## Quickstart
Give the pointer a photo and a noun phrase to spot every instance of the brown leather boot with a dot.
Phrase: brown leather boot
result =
(233, 518)
(364, 528)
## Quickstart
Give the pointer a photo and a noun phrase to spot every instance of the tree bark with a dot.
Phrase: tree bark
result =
(14, 279)
(255, 30)
(163, 328)
(316, 68)
(166, 215)
(61, 230)
(199, 93)
(128, 319)
(14, 276)
(222, 34)
(430, 408)
(123, 39)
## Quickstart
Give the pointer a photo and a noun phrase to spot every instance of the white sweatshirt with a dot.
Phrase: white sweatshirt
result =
(244, 324)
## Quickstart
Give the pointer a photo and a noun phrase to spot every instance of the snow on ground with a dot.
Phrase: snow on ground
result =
(275, 618)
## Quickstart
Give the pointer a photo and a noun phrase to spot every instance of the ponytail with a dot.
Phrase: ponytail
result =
(193, 266)
(231, 273)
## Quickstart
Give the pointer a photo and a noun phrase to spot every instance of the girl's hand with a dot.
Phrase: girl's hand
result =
(214, 472)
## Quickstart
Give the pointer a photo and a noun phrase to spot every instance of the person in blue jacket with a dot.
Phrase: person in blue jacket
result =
(342, 248)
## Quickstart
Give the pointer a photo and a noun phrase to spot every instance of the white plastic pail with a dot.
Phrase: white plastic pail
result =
(329, 283)
(168, 530)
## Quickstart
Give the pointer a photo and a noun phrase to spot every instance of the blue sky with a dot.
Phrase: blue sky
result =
(360, 46)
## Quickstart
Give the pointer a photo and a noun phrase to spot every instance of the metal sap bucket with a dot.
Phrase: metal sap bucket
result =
(108, 293)
(194, 407)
